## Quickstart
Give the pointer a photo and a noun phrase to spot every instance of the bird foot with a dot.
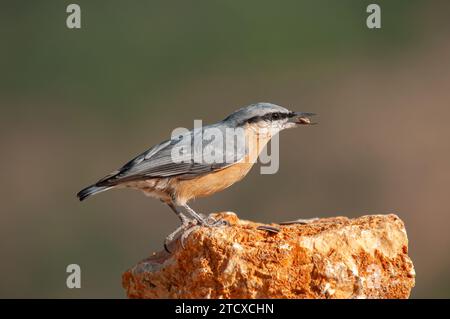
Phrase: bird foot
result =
(213, 222)
(187, 227)
(179, 232)
(207, 222)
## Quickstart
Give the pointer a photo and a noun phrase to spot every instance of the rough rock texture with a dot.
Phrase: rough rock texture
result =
(366, 257)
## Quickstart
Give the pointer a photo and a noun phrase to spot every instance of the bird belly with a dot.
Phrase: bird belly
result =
(210, 183)
(153, 187)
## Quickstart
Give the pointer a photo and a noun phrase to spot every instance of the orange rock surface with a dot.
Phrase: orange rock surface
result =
(366, 257)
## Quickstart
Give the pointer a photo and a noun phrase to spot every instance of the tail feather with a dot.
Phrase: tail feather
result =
(91, 190)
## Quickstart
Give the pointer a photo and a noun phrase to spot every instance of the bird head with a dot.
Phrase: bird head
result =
(268, 116)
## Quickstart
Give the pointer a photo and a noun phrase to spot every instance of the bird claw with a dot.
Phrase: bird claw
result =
(187, 228)
(172, 237)
(209, 222)
(212, 222)
(186, 234)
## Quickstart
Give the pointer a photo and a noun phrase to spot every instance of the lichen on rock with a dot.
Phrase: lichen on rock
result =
(338, 257)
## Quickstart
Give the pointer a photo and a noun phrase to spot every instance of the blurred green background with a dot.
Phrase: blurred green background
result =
(77, 104)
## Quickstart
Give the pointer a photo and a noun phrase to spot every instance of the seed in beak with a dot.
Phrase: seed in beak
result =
(303, 120)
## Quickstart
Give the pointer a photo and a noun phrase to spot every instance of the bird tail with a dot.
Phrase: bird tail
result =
(91, 190)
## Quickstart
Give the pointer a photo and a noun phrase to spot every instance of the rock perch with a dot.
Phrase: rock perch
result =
(366, 257)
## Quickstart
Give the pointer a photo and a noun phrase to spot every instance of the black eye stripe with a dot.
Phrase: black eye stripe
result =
(270, 117)
(275, 116)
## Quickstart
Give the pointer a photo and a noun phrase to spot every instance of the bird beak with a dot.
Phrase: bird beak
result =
(302, 118)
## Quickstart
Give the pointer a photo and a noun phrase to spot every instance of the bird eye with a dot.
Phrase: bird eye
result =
(275, 116)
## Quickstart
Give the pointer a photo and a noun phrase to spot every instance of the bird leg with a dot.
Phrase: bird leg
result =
(186, 223)
(199, 218)
(205, 221)
(179, 214)
(189, 225)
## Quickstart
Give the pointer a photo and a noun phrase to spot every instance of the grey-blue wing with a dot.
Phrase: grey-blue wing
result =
(191, 154)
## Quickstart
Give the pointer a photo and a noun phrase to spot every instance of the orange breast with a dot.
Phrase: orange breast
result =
(211, 183)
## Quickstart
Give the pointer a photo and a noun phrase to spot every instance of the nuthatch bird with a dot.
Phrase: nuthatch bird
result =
(169, 173)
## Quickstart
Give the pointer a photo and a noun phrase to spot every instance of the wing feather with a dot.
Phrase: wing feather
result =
(191, 154)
